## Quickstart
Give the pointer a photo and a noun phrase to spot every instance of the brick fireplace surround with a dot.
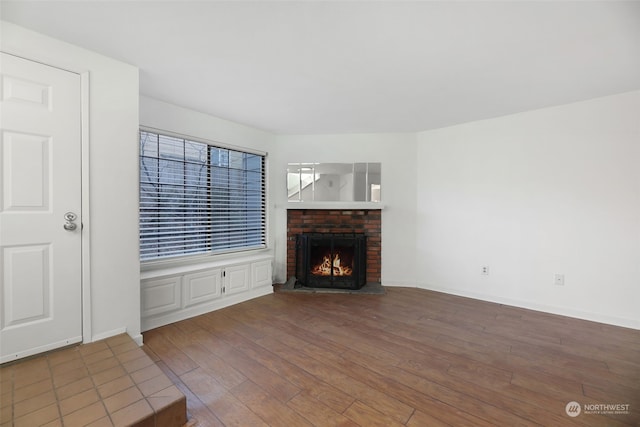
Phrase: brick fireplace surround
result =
(367, 221)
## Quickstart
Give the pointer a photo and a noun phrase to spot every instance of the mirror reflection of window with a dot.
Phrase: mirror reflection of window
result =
(300, 181)
(375, 192)
(343, 182)
(373, 180)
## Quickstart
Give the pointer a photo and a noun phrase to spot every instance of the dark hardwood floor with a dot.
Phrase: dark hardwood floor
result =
(408, 358)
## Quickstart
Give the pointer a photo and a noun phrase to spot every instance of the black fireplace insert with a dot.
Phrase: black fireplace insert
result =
(329, 260)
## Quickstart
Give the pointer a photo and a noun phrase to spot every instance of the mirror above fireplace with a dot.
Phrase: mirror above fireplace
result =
(334, 182)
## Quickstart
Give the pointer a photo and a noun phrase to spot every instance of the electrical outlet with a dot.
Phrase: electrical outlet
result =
(484, 270)
(559, 280)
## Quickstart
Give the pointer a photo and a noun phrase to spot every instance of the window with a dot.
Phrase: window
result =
(196, 198)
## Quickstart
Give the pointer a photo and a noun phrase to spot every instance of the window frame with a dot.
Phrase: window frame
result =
(211, 254)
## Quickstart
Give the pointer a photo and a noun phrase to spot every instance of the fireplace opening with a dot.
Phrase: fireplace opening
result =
(328, 260)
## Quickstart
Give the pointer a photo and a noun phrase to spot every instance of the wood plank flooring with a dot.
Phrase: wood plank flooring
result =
(408, 358)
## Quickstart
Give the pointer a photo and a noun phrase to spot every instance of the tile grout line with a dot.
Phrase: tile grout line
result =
(55, 389)
(86, 366)
(127, 373)
(95, 386)
(135, 384)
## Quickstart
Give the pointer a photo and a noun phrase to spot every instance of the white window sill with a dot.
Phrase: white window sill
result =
(156, 269)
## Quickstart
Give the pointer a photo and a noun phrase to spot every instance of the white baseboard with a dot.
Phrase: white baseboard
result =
(113, 333)
(399, 283)
(562, 311)
(138, 339)
(108, 334)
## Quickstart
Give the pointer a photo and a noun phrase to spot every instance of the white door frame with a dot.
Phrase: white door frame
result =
(87, 335)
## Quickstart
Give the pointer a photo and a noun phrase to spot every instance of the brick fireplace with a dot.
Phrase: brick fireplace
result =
(357, 221)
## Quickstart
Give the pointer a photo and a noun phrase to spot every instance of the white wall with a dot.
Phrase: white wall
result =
(396, 152)
(114, 285)
(164, 116)
(531, 195)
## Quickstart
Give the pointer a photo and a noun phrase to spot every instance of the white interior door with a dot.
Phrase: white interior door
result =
(40, 208)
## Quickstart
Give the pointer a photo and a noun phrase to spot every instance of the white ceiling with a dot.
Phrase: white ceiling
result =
(360, 66)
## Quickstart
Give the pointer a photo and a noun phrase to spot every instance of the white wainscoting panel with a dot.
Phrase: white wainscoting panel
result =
(171, 294)
(160, 295)
(261, 274)
(236, 279)
(202, 287)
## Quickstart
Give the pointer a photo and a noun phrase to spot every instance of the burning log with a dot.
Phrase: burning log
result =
(326, 267)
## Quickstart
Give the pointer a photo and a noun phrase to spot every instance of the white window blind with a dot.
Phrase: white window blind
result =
(196, 198)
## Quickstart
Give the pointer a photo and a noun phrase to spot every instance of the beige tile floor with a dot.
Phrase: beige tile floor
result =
(107, 383)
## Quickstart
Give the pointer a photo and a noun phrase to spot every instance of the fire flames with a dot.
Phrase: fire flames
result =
(327, 266)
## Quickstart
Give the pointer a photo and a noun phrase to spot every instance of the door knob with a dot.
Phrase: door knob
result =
(69, 225)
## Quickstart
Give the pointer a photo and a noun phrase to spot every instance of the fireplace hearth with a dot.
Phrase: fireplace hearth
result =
(331, 260)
